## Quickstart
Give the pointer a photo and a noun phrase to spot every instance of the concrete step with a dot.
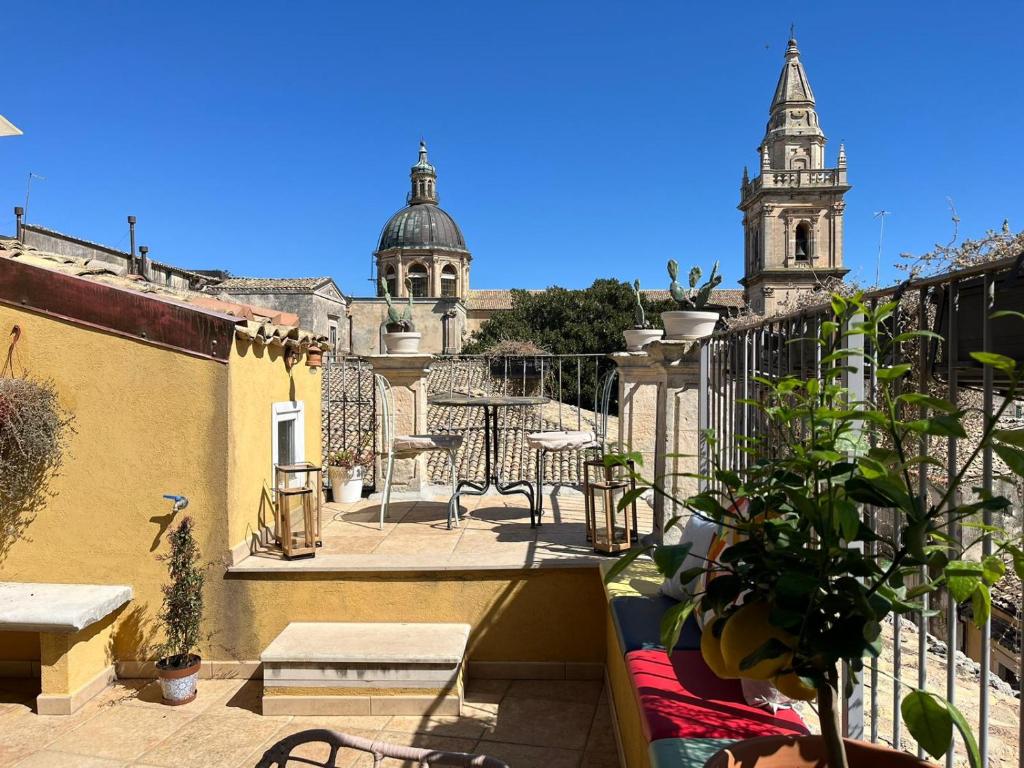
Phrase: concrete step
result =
(338, 668)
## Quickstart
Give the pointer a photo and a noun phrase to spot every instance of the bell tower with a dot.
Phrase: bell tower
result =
(792, 211)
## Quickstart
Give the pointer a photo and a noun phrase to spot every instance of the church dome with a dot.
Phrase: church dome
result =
(422, 226)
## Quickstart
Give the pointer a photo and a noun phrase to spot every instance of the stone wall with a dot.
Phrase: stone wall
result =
(441, 321)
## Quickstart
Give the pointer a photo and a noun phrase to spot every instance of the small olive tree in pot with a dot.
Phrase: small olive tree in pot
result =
(800, 584)
(182, 616)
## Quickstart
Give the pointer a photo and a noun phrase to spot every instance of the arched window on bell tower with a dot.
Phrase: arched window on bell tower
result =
(802, 249)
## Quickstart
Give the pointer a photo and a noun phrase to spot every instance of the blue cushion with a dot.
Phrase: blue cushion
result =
(684, 753)
(638, 623)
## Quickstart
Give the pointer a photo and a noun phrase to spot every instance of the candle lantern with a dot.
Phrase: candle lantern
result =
(297, 508)
(601, 496)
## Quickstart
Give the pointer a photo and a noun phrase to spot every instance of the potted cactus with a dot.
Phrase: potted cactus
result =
(346, 469)
(642, 333)
(182, 616)
(400, 337)
(690, 322)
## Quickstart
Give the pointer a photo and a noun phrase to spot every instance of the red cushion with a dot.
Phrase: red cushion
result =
(681, 698)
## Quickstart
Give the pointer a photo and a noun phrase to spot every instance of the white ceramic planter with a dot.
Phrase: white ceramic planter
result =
(178, 685)
(688, 325)
(346, 484)
(638, 338)
(402, 342)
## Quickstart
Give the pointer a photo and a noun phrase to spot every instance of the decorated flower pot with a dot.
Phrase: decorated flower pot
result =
(808, 752)
(402, 342)
(178, 684)
(346, 484)
(638, 338)
(688, 325)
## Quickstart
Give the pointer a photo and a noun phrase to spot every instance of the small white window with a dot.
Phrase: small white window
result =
(288, 438)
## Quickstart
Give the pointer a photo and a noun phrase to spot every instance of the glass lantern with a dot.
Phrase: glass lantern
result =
(601, 499)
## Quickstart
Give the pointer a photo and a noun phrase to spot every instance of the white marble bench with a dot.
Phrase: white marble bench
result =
(75, 625)
(335, 668)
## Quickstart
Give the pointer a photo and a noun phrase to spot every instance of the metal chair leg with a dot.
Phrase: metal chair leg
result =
(386, 496)
(453, 502)
(540, 486)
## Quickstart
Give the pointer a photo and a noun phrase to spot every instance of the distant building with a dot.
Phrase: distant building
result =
(793, 211)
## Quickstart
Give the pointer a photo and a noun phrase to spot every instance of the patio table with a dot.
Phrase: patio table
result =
(492, 476)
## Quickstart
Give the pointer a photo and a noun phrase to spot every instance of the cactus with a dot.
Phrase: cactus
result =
(695, 297)
(398, 323)
(639, 316)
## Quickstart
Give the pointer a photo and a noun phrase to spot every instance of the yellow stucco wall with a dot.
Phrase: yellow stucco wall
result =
(258, 378)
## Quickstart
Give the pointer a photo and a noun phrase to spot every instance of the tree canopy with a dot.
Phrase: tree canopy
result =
(566, 322)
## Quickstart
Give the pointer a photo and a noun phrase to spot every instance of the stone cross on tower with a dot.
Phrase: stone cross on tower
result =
(793, 211)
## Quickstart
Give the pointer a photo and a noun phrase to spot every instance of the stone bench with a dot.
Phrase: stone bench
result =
(333, 668)
(75, 625)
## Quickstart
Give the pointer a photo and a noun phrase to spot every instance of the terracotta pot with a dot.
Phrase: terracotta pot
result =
(314, 356)
(808, 752)
(638, 338)
(178, 685)
(402, 342)
(688, 325)
(346, 484)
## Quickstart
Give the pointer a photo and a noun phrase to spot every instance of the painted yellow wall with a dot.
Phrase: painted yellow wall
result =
(627, 709)
(258, 378)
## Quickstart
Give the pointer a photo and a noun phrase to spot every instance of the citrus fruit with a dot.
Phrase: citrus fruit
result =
(792, 686)
(746, 631)
(711, 650)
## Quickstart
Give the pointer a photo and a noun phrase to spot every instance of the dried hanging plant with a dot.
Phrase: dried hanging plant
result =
(34, 434)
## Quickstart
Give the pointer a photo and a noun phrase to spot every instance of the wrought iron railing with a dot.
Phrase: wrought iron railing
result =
(958, 306)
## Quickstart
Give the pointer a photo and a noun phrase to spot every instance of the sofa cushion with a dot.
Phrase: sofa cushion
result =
(699, 533)
(685, 753)
(638, 623)
(681, 698)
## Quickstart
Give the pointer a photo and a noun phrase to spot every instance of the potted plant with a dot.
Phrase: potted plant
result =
(642, 333)
(346, 469)
(182, 615)
(799, 585)
(690, 321)
(401, 337)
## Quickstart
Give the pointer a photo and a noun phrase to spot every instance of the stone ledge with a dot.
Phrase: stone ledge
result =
(405, 644)
(57, 607)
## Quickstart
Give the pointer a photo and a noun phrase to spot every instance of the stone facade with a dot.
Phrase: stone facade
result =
(441, 321)
(793, 211)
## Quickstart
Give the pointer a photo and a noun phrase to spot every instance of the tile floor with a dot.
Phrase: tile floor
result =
(525, 723)
(494, 532)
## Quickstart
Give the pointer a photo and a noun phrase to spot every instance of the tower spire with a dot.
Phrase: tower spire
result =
(424, 179)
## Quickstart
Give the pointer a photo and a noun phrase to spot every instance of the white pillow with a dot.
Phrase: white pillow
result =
(698, 532)
(762, 694)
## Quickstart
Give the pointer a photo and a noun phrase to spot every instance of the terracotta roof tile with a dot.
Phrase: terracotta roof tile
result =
(268, 284)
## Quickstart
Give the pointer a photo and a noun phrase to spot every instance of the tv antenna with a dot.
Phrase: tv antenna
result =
(28, 190)
(880, 215)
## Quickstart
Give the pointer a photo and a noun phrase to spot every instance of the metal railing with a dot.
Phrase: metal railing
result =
(959, 307)
(349, 408)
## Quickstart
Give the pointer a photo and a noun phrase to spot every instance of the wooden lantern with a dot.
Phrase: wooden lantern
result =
(601, 498)
(297, 508)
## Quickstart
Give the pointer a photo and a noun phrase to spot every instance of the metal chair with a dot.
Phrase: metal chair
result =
(409, 447)
(280, 754)
(577, 441)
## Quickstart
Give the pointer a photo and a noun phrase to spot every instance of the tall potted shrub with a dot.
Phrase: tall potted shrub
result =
(182, 615)
(691, 321)
(800, 585)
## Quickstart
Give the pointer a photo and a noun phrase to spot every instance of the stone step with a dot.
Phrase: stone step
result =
(322, 668)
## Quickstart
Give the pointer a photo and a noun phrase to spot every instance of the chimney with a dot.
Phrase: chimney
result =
(144, 261)
(131, 234)
(19, 215)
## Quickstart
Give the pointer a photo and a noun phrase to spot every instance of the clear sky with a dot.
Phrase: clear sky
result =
(572, 140)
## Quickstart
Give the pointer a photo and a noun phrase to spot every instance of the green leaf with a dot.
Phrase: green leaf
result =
(992, 569)
(973, 753)
(997, 361)
(672, 623)
(770, 649)
(946, 425)
(963, 578)
(1014, 458)
(624, 562)
(1010, 436)
(921, 399)
(929, 721)
(629, 497)
(670, 557)
(981, 605)
(1006, 313)
(924, 334)
(889, 373)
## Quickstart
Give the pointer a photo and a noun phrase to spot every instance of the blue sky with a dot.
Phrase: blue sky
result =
(572, 140)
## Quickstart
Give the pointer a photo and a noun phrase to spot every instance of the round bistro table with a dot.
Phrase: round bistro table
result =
(492, 479)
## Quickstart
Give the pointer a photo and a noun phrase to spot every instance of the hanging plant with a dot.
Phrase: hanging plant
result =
(34, 434)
